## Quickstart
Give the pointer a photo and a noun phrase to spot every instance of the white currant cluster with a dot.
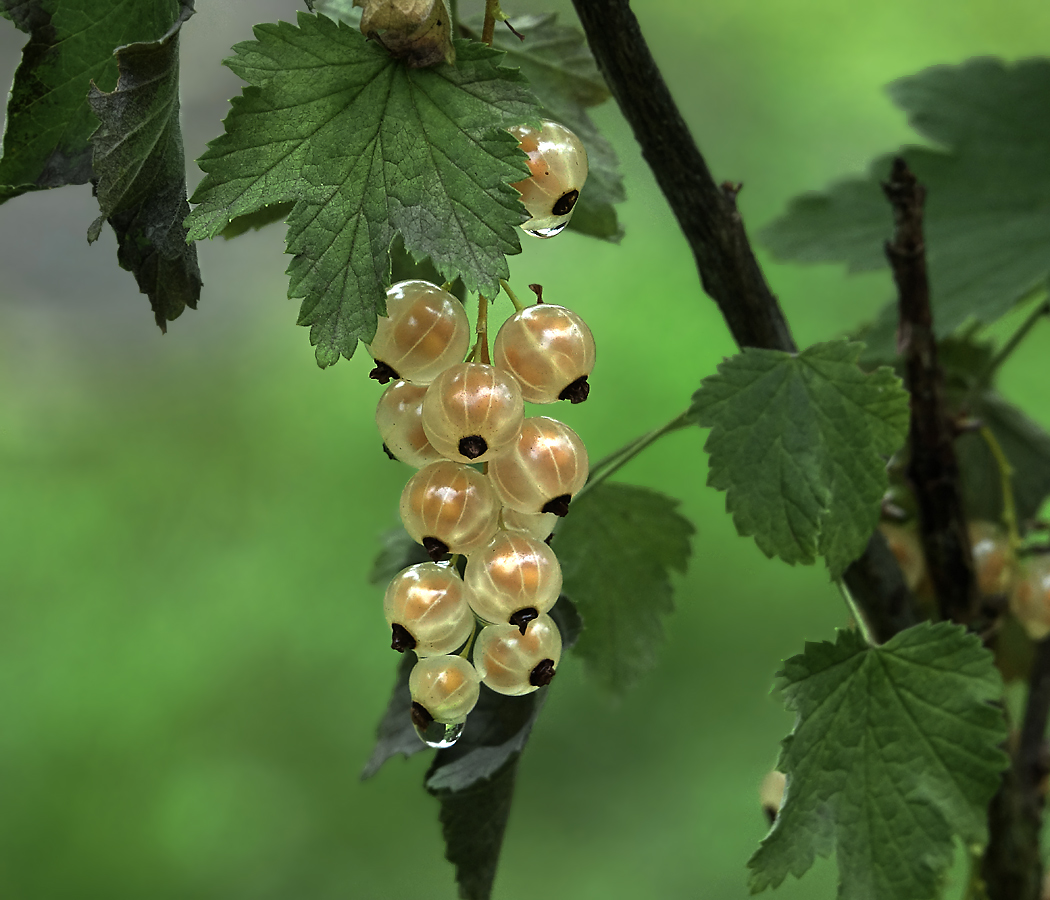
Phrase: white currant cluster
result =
(446, 417)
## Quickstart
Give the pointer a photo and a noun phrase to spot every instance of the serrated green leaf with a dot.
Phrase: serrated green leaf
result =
(988, 206)
(49, 123)
(473, 822)
(894, 752)
(617, 548)
(367, 148)
(799, 443)
(140, 172)
(558, 63)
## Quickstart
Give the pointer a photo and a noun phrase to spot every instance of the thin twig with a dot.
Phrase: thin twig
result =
(706, 213)
(615, 461)
(1012, 867)
(711, 223)
(932, 467)
(488, 28)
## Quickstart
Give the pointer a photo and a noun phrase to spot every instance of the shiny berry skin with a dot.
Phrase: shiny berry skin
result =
(450, 505)
(993, 560)
(473, 412)
(1030, 598)
(428, 603)
(558, 163)
(399, 418)
(539, 526)
(512, 574)
(447, 687)
(424, 331)
(549, 350)
(513, 663)
(543, 470)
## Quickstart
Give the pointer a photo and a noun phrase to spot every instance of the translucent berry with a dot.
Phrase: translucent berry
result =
(558, 164)
(993, 560)
(549, 350)
(444, 690)
(539, 526)
(771, 794)
(449, 508)
(543, 470)
(510, 662)
(513, 579)
(424, 331)
(427, 610)
(399, 418)
(1030, 598)
(904, 544)
(473, 412)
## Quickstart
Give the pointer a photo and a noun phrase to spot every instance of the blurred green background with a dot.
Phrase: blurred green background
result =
(191, 660)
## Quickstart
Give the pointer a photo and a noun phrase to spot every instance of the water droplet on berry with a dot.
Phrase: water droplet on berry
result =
(438, 735)
(547, 232)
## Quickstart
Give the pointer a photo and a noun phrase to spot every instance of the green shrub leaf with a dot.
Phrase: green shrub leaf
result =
(987, 227)
(49, 123)
(895, 751)
(140, 173)
(799, 443)
(617, 548)
(367, 148)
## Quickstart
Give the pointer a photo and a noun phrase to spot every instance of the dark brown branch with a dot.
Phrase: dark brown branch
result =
(932, 467)
(706, 212)
(1012, 867)
(729, 272)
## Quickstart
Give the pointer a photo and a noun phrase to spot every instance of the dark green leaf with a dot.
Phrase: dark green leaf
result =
(71, 44)
(267, 215)
(894, 752)
(617, 548)
(367, 148)
(399, 552)
(799, 443)
(474, 780)
(556, 60)
(987, 228)
(395, 733)
(140, 172)
(473, 822)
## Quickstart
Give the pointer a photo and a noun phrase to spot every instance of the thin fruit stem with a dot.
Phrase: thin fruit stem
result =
(858, 616)
(488, 29)
(518, 305)
(616, 460)
(1006, 473)
(482, 346)
(1015, 340)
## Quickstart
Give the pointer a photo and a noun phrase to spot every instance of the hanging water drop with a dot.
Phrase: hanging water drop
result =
(547, 232)
(438, 735)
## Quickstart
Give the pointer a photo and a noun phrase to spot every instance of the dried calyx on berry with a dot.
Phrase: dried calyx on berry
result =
(424, 331)
(558, 163)
(550, 352)
(473, 412)
(543, 470)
